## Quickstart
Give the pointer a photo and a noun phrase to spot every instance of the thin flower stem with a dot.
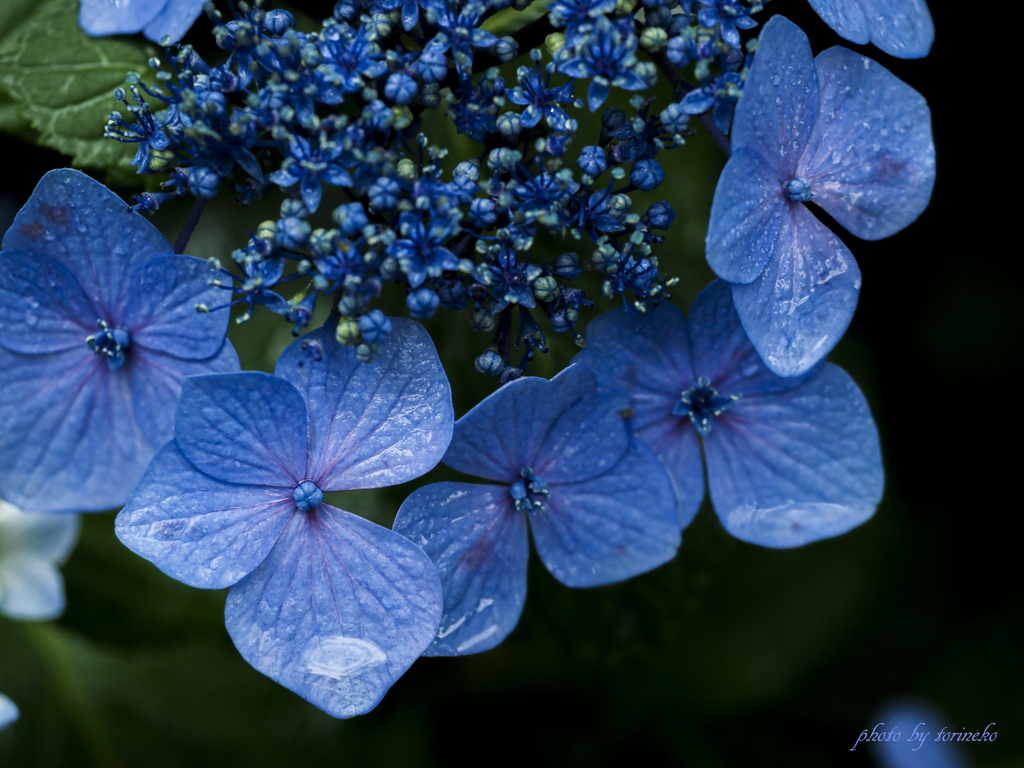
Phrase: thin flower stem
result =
(504, 335)
(190, 225)
(680, 87)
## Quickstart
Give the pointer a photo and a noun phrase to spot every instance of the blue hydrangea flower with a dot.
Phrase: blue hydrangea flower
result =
(309, 165)
(32, 546)
(540, 100)
(98, 328)
(156, 19)
(840, 131)
(326, 603)
(607, 58)
(901, 28)
(8, 712)
(789, 460)
(599, 510)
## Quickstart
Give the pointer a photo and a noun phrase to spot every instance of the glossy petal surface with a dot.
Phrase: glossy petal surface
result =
(801, 305)
(846, 18)
(901, 28)
(31, 547)
(609, 527)
(478, 541)
(780, 97)
(503, 433)
(117, 17)
(161, 311)
(199, 530)
(42, 307)
(174, 21)
(89, 230)
(586, 440)
(747, 212)
(789, 468)
(373, 424)
(338, 611)
(68, 439)
(247, 428)
(870, 160)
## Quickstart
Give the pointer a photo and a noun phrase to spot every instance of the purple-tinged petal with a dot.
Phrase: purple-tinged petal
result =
(477, 540)
(372, 424)
(788, 468)
(871, 159)
(247, 428)
(609, 527)
(776, 114)
(586, 440)
(846, 18)
(42, 307)
(901, 28)
(800, 307)
(90, 231)
(161, 315)
(746, 215)
(503, 434)
(177, 18)
(722, 352)
(68, 438)
(117, 17)
(155, 380)
(338, 611)
(197, 529)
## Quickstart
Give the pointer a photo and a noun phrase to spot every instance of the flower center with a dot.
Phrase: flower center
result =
(799, 190)
(109, 342)
(529, 493)
(701, 402)
(307, 495)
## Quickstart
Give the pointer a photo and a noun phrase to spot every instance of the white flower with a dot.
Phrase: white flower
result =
(31, 548)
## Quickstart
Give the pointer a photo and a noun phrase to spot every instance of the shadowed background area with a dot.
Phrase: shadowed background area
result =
(730, 655)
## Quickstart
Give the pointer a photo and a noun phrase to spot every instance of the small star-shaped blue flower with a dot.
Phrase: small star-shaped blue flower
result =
(98, 329)
(328, 604)
(600, 510)
(839, 131)
(789, 460)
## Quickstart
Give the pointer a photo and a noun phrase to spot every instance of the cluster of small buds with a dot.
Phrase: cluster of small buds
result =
(305, 112)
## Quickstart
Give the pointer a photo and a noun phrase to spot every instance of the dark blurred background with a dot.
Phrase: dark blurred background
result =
(730, 655)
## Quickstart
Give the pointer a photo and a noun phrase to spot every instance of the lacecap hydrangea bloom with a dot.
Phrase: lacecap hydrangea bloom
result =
(98, 328)
(600, 509)
(839, 131)
(901, 28)
(789, 460)
(32, 546)
(328, 604)
(156, 19)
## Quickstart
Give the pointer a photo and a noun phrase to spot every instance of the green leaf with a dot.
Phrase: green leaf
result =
(509, 21)
(59, 81)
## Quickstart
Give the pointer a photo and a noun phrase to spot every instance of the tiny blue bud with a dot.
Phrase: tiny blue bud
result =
(646, 175)
(375, 326)
(592, 161)
(277, 22)
(567, 265)
(491, 364)
(292, 232)
(307, 496)
(400, 88)
(422, 303)
(799, 190)
(483, 213)
(660, 215)
(204, 182)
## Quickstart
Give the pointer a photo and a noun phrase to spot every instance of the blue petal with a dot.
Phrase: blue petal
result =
(780, 97)
(477, 540)
(177, 18)
(247, 428)
(610, 527)
(161, 315)
(42, 307)
(199, 530)
(901, 28)
(31, 587)
(338, 611)
(846, 18)
(870, 160)
(410, 15)
(503, 434)
(789, 468)
(372, 424)
(284, 178)
(117, 17)
(801, 305)
(647, 356)
(311, 193)
(68, 439)
(746, 215)
(723, 353)
(154, 380)
(8, 712)
(587, 439)
(596, 93)
(915, 720)
(90, 231)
